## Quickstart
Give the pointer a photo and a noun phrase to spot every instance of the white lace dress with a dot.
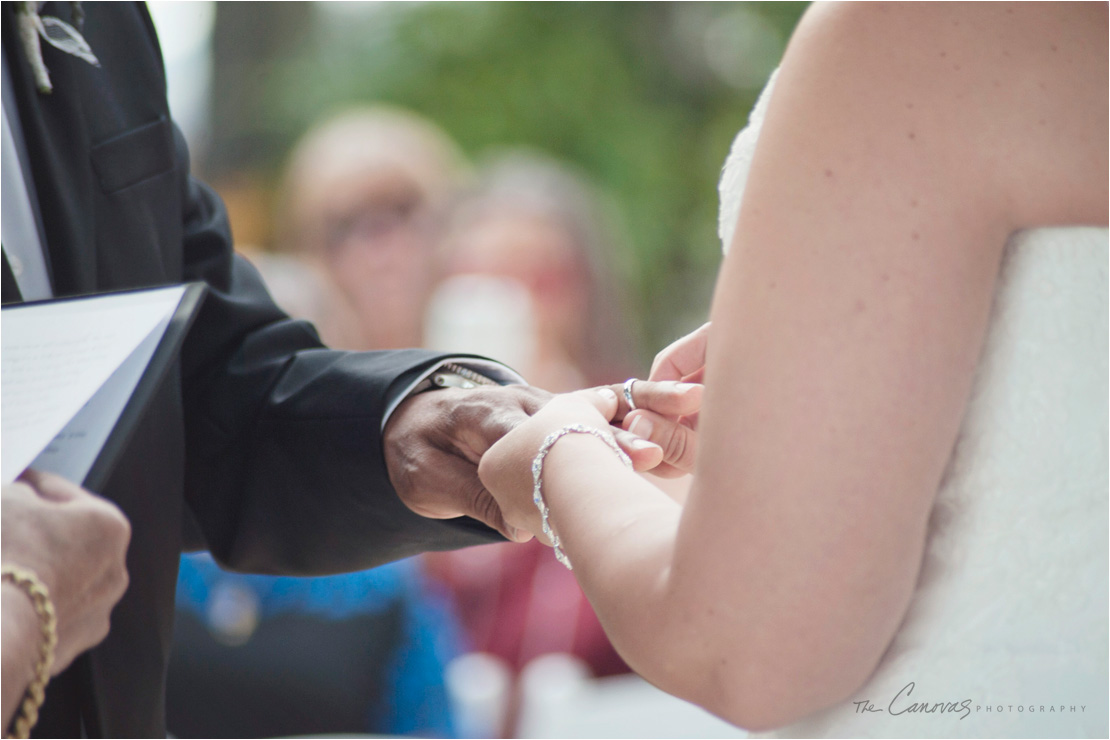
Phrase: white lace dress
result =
(1010, 613)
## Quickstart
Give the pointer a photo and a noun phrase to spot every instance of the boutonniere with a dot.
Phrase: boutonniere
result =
(33, 26)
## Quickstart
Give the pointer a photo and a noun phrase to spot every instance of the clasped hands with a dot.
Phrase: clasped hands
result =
(436, 441)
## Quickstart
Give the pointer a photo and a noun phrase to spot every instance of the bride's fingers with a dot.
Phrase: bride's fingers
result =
(682, 358)
(698, 376)
(678, 441)
(645, 454)
(667, 398)
(663, 470)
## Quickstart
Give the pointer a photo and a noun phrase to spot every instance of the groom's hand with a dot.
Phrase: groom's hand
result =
(433, 442)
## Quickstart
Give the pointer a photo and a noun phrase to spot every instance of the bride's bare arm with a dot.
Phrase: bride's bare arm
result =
(902, 146)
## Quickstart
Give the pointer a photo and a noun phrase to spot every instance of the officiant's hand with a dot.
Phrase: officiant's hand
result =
(434, 440)
(76, 543)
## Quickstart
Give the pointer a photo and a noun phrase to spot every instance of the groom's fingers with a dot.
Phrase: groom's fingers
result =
(455, 490)
(678, 441)
(433, 443)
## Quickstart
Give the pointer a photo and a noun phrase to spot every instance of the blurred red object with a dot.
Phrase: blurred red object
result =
(517, 602)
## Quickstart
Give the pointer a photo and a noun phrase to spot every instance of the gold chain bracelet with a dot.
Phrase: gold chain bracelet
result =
(39, 594)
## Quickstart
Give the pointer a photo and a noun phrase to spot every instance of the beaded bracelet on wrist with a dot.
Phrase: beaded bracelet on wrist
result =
(537, 478)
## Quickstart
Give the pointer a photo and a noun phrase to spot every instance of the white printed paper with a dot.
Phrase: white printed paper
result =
(68, 369)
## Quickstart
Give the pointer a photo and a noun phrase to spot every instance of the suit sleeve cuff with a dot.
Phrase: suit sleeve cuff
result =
(495, 371)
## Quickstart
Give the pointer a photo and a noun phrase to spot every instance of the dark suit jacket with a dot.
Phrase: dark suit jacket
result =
(267, 441)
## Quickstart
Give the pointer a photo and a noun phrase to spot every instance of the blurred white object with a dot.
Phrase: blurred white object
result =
(550, 687)
(485, 315)
(559, 698)
(478, 688)
(185, 35)
(233, 612)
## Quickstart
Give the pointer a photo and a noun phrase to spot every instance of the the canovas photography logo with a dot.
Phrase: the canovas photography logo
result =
(908, 704)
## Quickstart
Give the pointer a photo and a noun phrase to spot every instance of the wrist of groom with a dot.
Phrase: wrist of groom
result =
(495, 373)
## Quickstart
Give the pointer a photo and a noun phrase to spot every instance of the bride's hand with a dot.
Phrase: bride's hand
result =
(506, 468)
(683, 361)
(665, 413)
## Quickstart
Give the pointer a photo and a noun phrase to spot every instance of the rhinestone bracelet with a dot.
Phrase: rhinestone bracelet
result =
(537, 478)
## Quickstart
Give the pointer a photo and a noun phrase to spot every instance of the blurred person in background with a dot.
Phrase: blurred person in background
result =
(531, 231)
(363, 196)
(534, 221)
(302, 289)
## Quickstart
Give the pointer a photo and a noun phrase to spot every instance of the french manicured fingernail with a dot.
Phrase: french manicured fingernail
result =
(642, 444)
(514, 533)
(683, 387)
(641, 427)
(607, 394)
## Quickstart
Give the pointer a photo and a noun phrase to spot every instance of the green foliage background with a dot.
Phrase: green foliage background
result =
(644, 97)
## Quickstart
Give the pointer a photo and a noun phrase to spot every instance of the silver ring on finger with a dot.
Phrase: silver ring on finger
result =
(628, 393)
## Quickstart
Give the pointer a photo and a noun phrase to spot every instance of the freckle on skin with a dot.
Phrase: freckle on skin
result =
(1042, 122)
(913, 203)
(886, 278)
(828, 173)
(957, 67)
(912, 135)
(860, 305)
(943, 54)
(1053, 47)
(909, 106)
(915, 236)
